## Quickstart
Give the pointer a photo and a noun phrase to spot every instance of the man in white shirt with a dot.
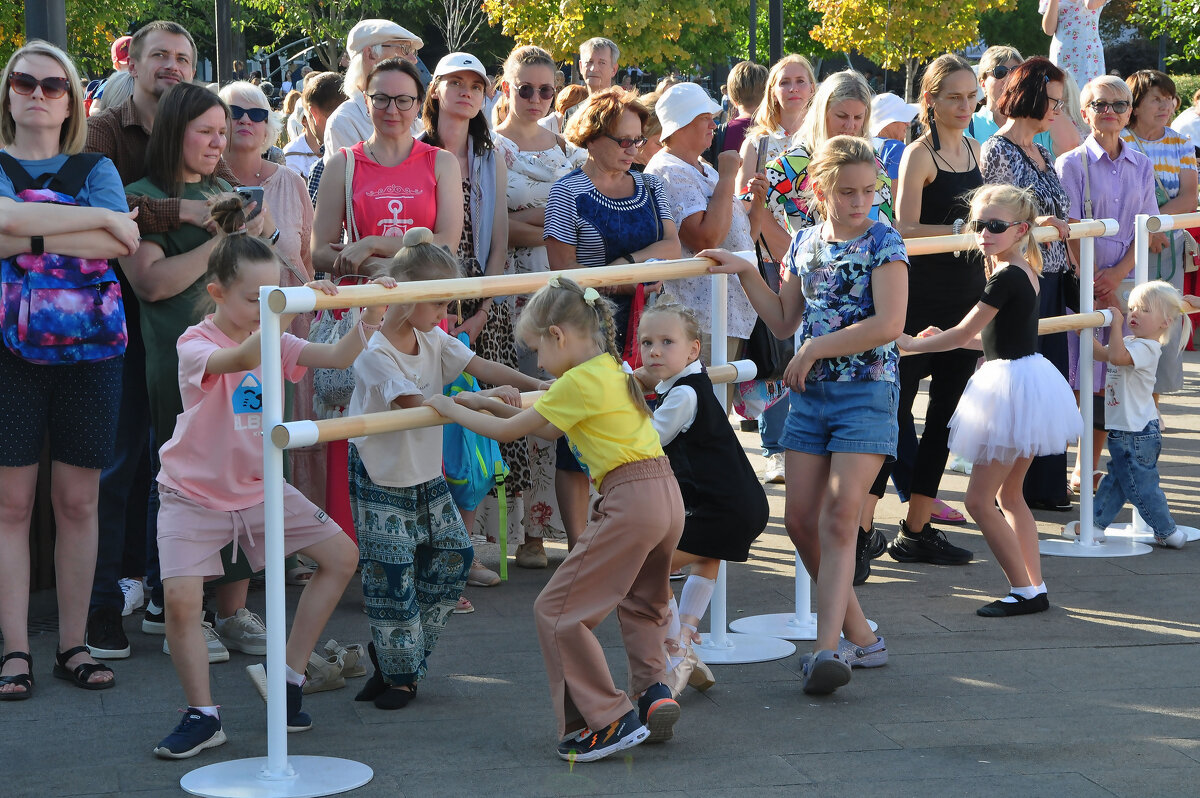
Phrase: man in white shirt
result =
(368, 43)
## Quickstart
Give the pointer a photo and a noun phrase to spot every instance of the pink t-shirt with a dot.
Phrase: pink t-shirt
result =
(390, 200)
(215, 456)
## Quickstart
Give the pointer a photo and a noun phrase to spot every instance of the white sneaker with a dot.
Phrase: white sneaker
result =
(135, 595)
(244, 632)
(216, 650)
(959, 464)
(774, 472)
(482, 576)
(1175, 540)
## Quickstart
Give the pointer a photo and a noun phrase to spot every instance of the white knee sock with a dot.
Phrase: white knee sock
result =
(693, 600)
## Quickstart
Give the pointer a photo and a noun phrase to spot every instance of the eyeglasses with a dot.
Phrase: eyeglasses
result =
(627, 143)
(1001, 72)
(381, 101)
(526, 90)
(1118, 107)
(995, 226)
(404, 48)
(52, 88)
(255, 114)
(1058, 105)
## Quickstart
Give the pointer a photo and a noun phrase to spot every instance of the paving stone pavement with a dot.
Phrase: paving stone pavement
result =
(1100, 696)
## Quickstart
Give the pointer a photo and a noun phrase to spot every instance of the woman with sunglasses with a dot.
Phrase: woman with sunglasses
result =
(535, 158)
(42, 124)
(1155, 100)
(1106, 178)
(397, 182)
(455, 120)
(996, 64)
(1032, 99)
(600, 214)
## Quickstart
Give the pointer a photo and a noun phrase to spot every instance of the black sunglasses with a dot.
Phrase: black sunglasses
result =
(994, 226)
(1001, 72)
(625, 144)
(255, 114)
(381, 101)
(545, 91)
(52, 88)
(1118, 107)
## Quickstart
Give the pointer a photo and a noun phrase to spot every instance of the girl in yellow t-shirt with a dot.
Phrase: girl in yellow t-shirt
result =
(623, 559)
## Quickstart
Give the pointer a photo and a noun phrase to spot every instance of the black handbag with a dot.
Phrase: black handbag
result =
(769, 354)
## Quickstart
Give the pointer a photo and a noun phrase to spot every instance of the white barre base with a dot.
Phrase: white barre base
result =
(742, 649)
(1127, 532)
(784, 625)
(312, 776)
(1110, 548)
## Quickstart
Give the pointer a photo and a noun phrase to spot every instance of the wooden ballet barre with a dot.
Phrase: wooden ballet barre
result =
(1057, 324)
(294, 434)
(302, 299)
(931, 245)
(1180, 221)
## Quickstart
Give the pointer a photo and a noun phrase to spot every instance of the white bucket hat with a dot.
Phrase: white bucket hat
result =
(888, 108)
(682, 103)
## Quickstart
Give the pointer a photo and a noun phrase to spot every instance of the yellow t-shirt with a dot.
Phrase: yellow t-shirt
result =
(591, 404)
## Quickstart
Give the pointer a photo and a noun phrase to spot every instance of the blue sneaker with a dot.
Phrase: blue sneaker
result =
(297, 719)
(588, 746)
(194, 733)
(658, 711)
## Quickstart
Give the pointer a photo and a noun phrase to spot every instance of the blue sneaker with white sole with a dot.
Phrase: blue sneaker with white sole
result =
(194, 733)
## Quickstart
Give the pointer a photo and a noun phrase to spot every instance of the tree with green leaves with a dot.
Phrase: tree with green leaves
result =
(91, 27)
(893, 33)
(326, 22)
(1177, 20)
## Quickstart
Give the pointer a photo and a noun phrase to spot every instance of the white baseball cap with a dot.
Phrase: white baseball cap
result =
(682, 103)
(887, 108)
(379, 31)
(459, 62)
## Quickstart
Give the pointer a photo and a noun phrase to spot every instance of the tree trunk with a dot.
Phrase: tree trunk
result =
(910, 78)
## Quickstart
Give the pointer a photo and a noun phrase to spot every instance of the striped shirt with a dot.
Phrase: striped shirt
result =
(602, 228)
(1170, 155)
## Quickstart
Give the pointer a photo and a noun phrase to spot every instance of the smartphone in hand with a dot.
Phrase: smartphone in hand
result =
(251, 194)
(762, 155)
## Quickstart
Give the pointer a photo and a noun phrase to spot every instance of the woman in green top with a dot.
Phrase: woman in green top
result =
(167, 274)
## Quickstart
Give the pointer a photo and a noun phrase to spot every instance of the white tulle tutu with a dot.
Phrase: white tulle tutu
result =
(1012, 409)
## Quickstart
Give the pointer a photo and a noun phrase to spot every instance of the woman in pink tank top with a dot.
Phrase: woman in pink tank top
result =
(397, 183)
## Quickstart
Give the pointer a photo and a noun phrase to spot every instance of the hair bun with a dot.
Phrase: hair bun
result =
(418, 235)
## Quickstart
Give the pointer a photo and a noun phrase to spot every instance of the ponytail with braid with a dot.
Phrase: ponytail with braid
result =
(564, 303)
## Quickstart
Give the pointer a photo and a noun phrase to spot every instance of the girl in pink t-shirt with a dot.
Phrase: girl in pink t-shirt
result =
(211, 478)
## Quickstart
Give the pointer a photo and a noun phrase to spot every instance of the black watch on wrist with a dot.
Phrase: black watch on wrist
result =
(37, 245)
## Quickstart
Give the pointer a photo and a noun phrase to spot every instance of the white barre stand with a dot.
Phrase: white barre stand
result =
(798, 625)
(719, 647)
(275, 775)
(1086, 545)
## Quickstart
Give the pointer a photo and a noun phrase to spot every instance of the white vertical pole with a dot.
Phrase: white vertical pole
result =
(272, 405)
(1141, 273)
(1087, 281)
(717, 619)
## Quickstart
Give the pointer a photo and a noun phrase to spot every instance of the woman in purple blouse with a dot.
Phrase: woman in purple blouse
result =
(1106, 178)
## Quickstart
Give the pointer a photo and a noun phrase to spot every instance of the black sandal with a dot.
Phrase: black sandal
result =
(19, 679)
(80, 675)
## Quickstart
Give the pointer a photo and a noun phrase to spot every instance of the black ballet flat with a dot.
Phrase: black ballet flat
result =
(397, 696)
(1022, 606)
(375, 686)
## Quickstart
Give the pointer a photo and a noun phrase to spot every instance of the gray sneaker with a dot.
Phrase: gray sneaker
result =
(216, 650)
(243, 632)
(872, 656)
(823, 672)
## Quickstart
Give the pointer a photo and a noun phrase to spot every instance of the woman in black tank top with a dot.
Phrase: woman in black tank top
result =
(937, 175)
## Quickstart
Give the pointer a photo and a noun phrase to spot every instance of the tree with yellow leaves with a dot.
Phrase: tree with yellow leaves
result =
(901, 32)
(649, 33)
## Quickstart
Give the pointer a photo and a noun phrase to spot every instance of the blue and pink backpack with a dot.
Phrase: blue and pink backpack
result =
(57, 309)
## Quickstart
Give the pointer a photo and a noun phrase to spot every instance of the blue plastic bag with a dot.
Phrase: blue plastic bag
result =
(471, 462)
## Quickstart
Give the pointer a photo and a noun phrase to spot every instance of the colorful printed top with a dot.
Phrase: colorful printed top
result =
(788, 178)
(836, 281)
(1170, 155)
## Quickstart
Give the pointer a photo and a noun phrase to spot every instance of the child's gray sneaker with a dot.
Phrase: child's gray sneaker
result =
(1175, 540)
(872, 656)
(823, 672)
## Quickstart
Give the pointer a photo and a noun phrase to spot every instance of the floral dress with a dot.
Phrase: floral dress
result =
(1076, 45)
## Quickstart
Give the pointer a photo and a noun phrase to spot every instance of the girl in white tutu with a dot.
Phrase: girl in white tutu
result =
(1017, 406)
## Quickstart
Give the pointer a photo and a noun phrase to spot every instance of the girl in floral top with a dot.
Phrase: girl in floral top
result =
(844, 294)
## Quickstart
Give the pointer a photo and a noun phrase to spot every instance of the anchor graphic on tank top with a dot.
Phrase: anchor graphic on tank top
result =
(395, 226)
(247, 404)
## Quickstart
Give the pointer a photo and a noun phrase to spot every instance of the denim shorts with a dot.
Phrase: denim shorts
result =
(856, 417)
